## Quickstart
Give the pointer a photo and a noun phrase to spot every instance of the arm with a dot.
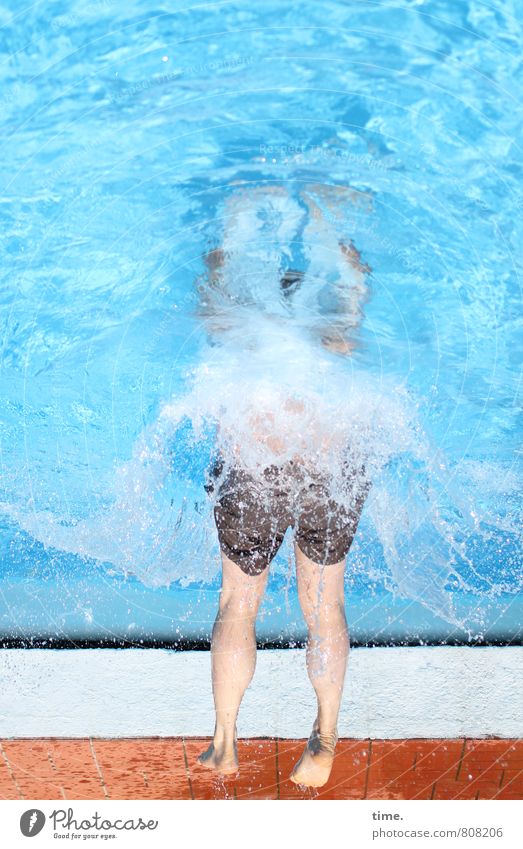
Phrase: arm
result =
(350, 291)
(214, 260)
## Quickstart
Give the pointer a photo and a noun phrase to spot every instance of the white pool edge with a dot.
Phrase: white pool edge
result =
(392, 693)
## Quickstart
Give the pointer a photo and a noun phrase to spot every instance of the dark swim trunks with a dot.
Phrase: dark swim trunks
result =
(252, 515)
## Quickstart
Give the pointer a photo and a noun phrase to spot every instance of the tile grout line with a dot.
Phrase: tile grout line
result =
(507, 784)
(476, 744)
(442, 775)
(367, 771)
(276, 755)
(187, 771)
(98, 768)
(461, 758)
(10, 771)
(53, 765)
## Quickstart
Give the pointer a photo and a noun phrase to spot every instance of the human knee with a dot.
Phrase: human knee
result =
(239, 601)
(322, 612)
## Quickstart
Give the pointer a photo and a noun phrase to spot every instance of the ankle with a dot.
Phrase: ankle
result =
(224, 740)
(328, 739)
(326, 734)
(325, 730)
(326, 722)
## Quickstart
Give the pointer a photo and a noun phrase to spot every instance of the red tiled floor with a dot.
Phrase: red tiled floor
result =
(8, 786)
(350, 773)
(289, 751)
(167, 768)
(143, 769)
(59, 769)
(412, 767)
(482, 770)
(258, 781)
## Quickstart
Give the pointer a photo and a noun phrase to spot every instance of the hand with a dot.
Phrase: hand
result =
(339, 345)
(352, 254)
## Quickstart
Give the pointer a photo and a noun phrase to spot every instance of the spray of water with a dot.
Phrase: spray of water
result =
(269, 386)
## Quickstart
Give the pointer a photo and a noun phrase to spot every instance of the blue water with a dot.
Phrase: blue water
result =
(126, 130)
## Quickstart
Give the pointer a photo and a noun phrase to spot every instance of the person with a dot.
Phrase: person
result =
(252, 512)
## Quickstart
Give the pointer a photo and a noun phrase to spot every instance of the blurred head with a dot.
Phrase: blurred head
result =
(291, 281)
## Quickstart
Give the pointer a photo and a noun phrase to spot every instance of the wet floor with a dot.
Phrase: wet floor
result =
(167, 768)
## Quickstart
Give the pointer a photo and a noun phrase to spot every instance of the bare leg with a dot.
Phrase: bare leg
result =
(233, 657)
(321, 594)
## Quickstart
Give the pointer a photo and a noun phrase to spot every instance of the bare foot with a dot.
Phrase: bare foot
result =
(314, 767)
(224, 761)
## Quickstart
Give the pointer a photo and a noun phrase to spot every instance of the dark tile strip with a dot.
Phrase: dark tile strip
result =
(508, 784)
(276, 756)
(187, 770)
(53, 767)
(98, 768)
(367, 771)
(462, 755)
